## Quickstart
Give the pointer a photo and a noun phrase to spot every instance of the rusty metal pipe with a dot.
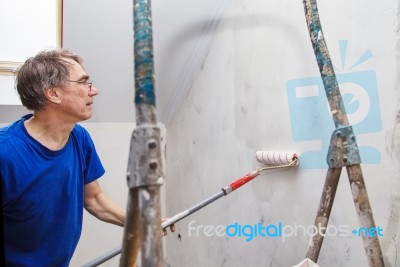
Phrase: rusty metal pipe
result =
(145, 172)
(324, 211)
(340, 143)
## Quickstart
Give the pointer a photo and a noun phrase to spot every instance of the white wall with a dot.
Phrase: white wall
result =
(243, 100)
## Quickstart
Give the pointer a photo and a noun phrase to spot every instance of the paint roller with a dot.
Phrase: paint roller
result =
(277, 158)
(272, 159)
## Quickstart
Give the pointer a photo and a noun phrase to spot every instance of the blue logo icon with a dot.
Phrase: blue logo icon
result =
(311, 118)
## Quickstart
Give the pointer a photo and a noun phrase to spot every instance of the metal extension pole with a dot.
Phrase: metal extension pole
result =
(145, 175)
(343, 151)
(104, 258)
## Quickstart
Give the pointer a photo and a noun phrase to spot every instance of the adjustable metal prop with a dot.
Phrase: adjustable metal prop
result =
(145, 174)
(343, 151)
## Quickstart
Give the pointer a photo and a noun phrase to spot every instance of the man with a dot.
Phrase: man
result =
(48, 164)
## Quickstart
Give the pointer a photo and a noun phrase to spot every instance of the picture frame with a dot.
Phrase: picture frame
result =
(29, 27)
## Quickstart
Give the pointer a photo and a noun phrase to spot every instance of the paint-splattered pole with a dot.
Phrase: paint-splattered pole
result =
(145, 176)
(343, 151)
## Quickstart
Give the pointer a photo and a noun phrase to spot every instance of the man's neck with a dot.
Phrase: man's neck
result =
(49, 129)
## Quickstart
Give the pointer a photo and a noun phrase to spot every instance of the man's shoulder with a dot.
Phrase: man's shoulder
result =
(81, 136)
(8, 132)
(80, 131)
(13, 128)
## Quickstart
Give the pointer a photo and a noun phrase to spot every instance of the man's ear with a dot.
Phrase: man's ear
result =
(53, 95)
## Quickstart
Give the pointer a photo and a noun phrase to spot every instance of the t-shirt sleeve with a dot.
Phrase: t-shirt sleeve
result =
(94, 168)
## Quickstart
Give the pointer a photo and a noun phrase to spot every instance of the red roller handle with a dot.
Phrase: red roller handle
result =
(241, 181)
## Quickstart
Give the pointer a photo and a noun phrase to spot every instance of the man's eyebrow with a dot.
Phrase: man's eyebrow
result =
(84, 78)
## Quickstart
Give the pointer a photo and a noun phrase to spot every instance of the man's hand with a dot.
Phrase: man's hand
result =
(171, 227)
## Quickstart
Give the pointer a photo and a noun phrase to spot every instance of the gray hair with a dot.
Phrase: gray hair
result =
(45, 70)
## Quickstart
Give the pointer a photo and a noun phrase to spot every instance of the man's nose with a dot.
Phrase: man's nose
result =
(93, 91)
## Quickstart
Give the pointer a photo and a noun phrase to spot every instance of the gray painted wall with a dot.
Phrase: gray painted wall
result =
(101, 32)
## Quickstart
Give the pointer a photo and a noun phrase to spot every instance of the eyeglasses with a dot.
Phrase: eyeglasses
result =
(87, 83)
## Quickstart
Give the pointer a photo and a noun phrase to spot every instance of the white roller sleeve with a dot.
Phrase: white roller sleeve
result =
(276, 158)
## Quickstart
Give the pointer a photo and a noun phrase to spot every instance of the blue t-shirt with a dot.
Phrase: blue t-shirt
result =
(43, 195)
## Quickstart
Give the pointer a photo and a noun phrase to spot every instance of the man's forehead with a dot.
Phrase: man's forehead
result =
(71, 61)
(75, 67)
